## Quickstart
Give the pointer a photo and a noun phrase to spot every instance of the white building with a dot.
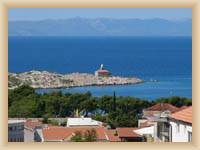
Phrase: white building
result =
(181, 125)
(72, 122)
(16, 130)
(157, 116)
(147, 132)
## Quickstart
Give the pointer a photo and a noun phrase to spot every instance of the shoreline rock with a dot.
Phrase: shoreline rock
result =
(45, 79)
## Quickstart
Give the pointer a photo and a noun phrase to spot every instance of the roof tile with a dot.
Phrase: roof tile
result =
(183, 115)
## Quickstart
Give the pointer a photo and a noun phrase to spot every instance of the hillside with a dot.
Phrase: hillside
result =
(101, 27)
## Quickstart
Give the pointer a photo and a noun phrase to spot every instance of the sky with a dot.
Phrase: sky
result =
(16, 14)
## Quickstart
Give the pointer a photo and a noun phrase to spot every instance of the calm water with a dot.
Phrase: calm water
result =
(166, 59)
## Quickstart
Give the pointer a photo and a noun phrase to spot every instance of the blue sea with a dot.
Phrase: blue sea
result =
(165, 59)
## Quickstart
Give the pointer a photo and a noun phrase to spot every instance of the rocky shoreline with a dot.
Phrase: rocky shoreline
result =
(45, 79)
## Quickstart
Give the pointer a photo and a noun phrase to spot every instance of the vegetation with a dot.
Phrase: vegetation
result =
(78, 137)
(13, 81)
(88, 136)
(113, 110)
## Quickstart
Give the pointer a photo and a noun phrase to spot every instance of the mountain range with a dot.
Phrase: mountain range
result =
(101, 27)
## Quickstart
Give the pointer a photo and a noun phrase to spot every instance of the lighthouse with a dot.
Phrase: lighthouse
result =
(102, 72)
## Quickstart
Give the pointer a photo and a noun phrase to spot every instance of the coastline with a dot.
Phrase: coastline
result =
(48, 80)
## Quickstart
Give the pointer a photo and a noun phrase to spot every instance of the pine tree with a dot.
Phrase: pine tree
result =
(114, 102)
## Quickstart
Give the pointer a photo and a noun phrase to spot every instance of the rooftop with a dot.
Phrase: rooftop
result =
(112, 136)
(127, 132)
(184, 115)
(103, 71)
(62, 133)
(163, 107)
(83, 122)
(13, 121)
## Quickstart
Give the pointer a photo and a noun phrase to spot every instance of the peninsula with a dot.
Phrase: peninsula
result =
(44, 79)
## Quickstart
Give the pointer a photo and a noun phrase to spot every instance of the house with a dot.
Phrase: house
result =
(158, 109)
(157, 116)
(80, 122)
(102, 72)
(128, 135)
(64, 134)
(16, 130)
(143, 134)
(112, 135)
(147, 133)
(181, 125)
(29, 129)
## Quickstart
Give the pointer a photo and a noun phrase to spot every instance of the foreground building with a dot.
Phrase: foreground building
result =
(64, 134)
(16, 130)
(82, 121)
(181, 125)
(129, 135)
(170, 123)
(159, 123)
(30, 127)
(157, 116)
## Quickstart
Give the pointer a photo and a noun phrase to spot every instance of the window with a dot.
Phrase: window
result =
(177, 128)
(20, 128)
(184, 129)
(189, 136)
(9, 128)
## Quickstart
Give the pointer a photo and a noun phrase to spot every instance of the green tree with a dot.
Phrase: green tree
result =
(24, 108)
(77, 137)
(19, 93)
(90, 135)
(88, 105)
(122, 119)
(114, 102)
(45, 119)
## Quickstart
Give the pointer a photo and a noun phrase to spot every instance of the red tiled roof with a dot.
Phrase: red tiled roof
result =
(61, 133)
(103, 71)
(111, 135)
(183, 107)
(32, 123)
(183, 115)
(127, 132)
(145, 124)
(163, 107)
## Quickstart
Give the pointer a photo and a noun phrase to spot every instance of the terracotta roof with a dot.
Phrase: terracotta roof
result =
(111, 135)
(103, 71)
(145, 124)
(32, 123)
(183, 107)
(163, 107)
(127, 132)
(183, 115)
(61, 133)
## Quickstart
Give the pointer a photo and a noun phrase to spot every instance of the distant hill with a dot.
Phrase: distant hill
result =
(101, 27)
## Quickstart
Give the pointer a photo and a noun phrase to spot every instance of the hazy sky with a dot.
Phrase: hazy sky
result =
(63, 13)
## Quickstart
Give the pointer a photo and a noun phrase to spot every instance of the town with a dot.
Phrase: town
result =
(159, 123)
(81, 117)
